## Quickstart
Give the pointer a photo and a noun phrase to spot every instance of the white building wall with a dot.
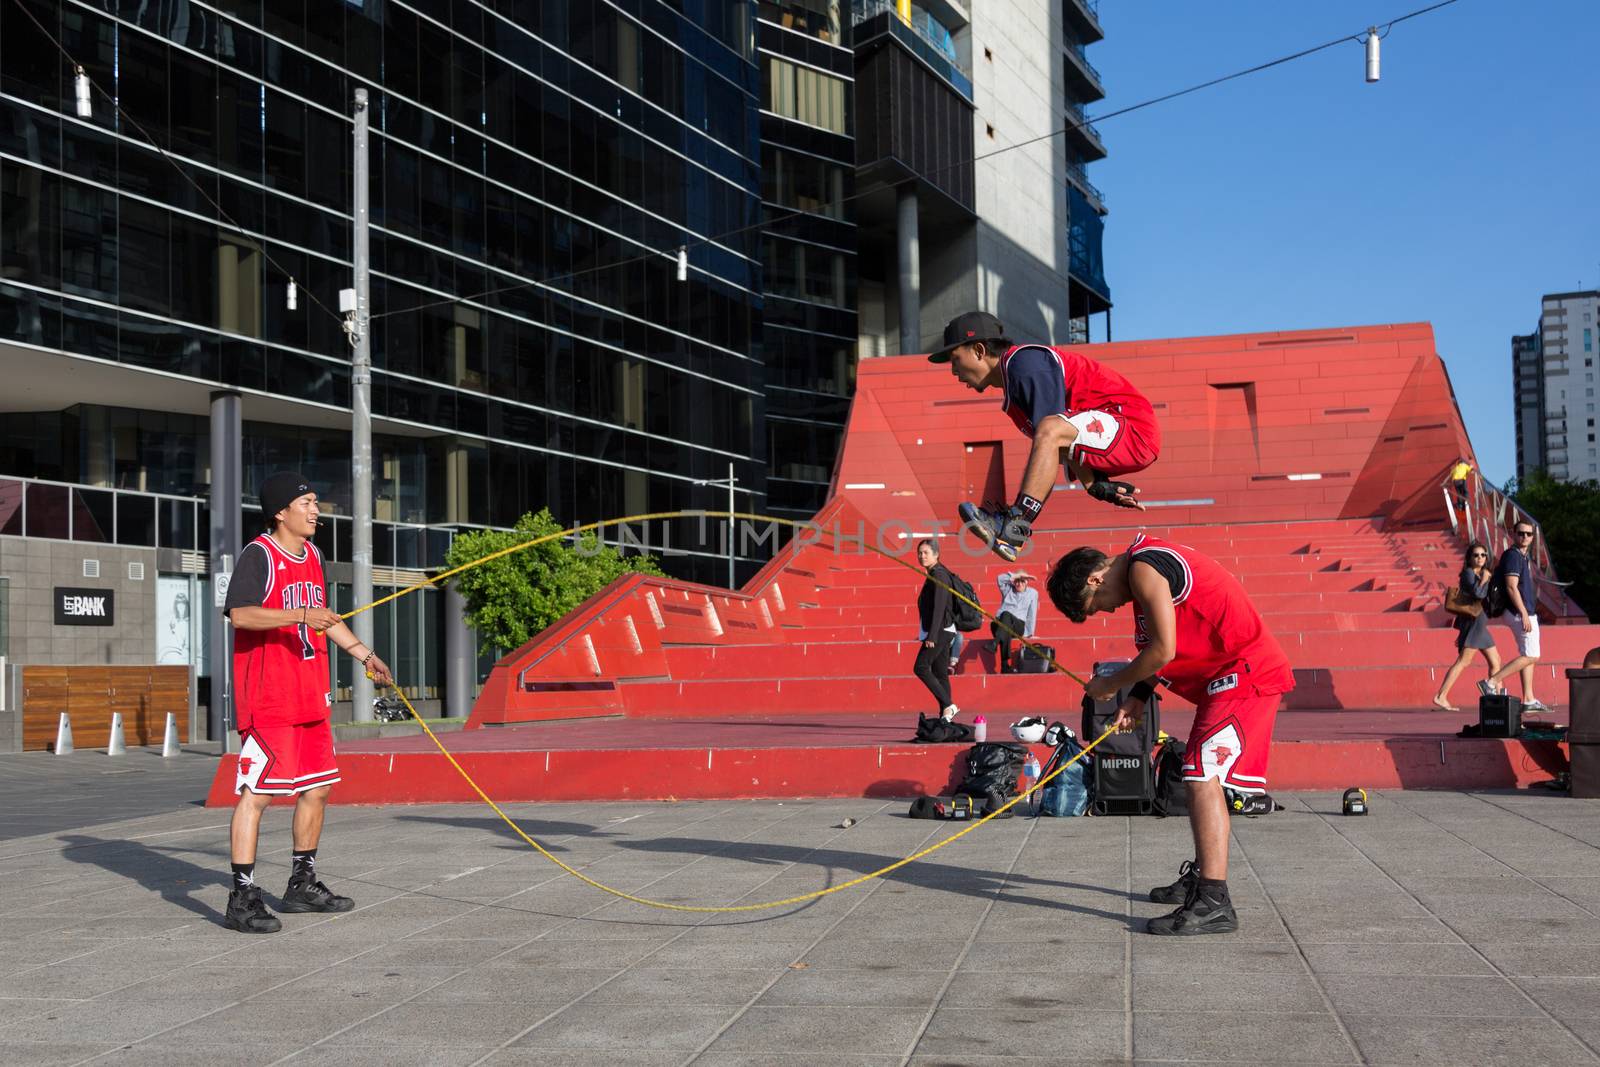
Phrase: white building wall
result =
(1021, 196)
(1570, 330)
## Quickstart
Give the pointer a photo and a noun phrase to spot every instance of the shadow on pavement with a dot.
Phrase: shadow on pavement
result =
(967, 881)
(175, 879)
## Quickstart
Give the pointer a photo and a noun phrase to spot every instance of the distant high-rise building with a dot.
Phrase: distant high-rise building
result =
(1014, 232)
(1554, 376)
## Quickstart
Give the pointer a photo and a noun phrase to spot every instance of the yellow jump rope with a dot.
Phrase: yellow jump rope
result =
(667, 905)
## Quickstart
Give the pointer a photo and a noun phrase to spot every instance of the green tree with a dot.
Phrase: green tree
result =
(1568, 513)
(512, 598)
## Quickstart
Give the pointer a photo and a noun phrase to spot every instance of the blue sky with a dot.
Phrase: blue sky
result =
(1457, 190)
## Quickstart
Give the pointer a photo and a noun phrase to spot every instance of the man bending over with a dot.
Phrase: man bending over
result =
(1197, 632)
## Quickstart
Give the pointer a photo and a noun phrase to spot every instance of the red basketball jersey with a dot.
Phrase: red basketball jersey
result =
(280, 676)
(1090, 386)
(1223, 649)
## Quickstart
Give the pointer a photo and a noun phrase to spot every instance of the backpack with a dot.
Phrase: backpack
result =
(935, 731)
(992, 768)
(1495, 601)
(967, 617)
(1067, 794)
(1172, 796)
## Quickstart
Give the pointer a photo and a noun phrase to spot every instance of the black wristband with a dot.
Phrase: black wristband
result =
(1029, 506)
(1142, 690)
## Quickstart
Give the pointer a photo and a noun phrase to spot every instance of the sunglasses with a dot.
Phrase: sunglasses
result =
(1480, 555)
(1524, 533)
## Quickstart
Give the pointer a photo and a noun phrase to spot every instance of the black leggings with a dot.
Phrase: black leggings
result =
(1006, 628)
(933, 666)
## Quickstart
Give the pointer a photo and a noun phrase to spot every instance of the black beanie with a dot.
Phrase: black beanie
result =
(279, 491)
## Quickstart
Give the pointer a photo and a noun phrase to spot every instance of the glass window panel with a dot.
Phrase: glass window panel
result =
(285, 154)
(141, 86)
(10, 507)
(30, 218)
(47, 511)
(88, 240)
(192, 104)
(142, 240)
(177, 524)
(136, 519)
(93, 515)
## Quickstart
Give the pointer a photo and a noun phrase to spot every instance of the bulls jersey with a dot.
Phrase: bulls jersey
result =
(1040, 381)
(280, 675)
(1224, 651)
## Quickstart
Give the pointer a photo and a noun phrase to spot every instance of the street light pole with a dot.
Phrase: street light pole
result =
(361, 414)
(730, 481)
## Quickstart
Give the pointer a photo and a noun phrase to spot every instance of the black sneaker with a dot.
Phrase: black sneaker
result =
(1178, 891)
(248, 915)
(305, 893)
(1197, 916)
(1004, 530)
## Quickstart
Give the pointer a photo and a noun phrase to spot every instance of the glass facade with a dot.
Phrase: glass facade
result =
(534, 168)
(808, 250)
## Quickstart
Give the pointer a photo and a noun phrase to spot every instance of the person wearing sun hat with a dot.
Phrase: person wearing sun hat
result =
(1018, 612)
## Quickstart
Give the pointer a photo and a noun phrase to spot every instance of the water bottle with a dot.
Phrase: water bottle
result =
(980, 729)
(1030, 775)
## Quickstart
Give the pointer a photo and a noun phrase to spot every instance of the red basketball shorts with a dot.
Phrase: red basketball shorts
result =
(1231, 740)
(283, 761)
(1114, 444)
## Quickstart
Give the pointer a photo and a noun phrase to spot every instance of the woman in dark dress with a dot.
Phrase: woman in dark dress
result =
(1471, 633)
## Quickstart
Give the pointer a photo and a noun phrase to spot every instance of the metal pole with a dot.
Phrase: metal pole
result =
(730, 524)
(908, 255)
(361, 416)
(226, 536)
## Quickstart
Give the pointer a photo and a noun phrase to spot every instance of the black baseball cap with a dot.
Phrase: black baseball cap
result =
(279, 491)
(964, 329)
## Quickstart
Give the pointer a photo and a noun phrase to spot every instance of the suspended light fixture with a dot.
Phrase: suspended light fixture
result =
(683, 264)
(291, 296)
(1372, 54)
(81, 87)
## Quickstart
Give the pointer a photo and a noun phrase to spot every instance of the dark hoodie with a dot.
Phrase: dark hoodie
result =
(933, 603)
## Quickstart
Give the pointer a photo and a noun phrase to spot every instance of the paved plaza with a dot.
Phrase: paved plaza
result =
(1444, 928)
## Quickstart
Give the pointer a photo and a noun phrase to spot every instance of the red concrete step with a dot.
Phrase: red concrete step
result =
(1050, 695)
(1306, 649)
(1365, 603)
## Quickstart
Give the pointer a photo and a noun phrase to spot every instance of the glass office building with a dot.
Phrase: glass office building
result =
(808, 245)
(534, 169)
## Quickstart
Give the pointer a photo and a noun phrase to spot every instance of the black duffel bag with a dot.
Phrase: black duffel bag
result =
(992, 768)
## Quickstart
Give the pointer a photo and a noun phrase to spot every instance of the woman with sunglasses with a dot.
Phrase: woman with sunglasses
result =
(1471, 633)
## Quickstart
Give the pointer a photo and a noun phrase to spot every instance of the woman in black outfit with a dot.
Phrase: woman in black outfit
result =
(1471, 633)
(937, 619)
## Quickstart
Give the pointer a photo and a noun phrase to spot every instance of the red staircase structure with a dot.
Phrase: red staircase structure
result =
(1310, 463)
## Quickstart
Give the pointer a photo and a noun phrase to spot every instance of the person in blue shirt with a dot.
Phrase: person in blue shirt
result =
(1019, 611)
(1515, 572)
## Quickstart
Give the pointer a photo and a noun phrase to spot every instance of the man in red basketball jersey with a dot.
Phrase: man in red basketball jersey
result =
(278, 605)
(1197, 632)
(1077, 410)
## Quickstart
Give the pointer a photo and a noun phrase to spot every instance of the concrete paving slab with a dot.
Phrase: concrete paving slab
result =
(1276, 1037)
(1495, 1042)
(1418, 995)
(1434, 931)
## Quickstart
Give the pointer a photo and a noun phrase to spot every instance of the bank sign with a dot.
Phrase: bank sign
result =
(84, 607)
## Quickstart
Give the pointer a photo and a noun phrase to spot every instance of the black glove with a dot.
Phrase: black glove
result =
(1109, 491)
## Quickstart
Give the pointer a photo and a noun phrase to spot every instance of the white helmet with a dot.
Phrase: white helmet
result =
(1029, 731)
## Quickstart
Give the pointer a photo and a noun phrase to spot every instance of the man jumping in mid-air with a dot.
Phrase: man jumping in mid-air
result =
(1077, 410)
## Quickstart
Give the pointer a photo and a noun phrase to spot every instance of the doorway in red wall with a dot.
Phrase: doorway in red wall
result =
(985, 472)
